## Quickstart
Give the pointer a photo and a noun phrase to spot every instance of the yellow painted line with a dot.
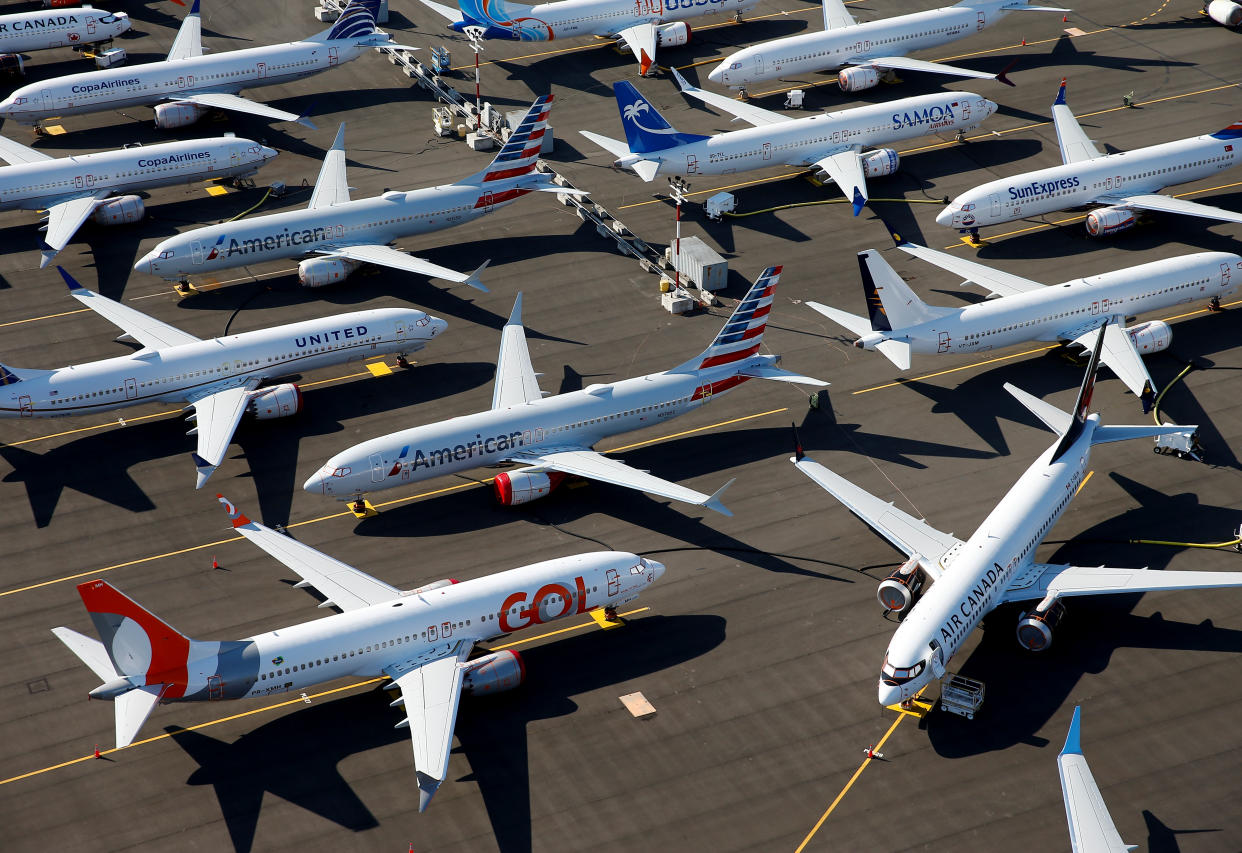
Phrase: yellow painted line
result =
(45, 317)
(216, 189)
(525, 640)
(956, 369)
(1084, 482)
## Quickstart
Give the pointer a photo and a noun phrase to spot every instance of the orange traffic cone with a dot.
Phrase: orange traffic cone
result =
(97, 753)
(1024, 42)
(1065, 19)
(214, 564)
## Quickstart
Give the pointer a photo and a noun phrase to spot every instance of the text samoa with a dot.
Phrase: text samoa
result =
(931, 116)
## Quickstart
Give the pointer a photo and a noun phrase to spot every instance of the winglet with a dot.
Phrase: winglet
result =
(859, 202)
(427, 788)
(714, 501)
(205, 469)
(338, 144)
(1073, 742)
(1060, 101)
(798, 454)
(515, 316)
(194, 8)
(682, 83)
(897, 239)
(307, 123)
(1003, 77)
(46, 254)
(235, 515)
(644, 64)
(69, 280)
(473, 278)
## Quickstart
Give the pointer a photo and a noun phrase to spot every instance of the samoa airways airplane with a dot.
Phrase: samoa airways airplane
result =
(339, 235)
(218, 378)
(73, 189)
(996, 565)
(1091, 827)
(832, 141)
(553, 437)
(421, 638)
(26, 32)
(900, 323)
(1124, 185)
(641, 25)
(868, 53)
(188, 83)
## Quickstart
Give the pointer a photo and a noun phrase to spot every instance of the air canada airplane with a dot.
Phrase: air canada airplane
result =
(900, 323)
(996, 565)
(1091, 827)
(27, 32)
(336, 235)
(188, 83)
(1121, 186)
(553, 437)
(833, 142)
(219, 378)
(422, 639)
(74, 189)
(866, 53)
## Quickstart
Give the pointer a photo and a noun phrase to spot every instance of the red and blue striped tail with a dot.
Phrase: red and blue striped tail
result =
(1233, 131)
(521, 152)
(742, 336)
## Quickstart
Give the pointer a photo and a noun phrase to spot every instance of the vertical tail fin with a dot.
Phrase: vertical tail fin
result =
(645, 129)
(742, 335)
(519, 155)
(1079, 416)
(8, 377)
(891, 304)
(358, 19)
(139, 643)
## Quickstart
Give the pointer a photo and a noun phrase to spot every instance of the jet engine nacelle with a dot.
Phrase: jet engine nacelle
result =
(519, 487)
(177, 115)
(881, 163)
(440, 584)
(858, 78)
(11, 63)
(1225, 12)
(898, 591)
(1152, 336)
(1110, 220)
(1035, 628)
(120, 210)
(319, 272)
(494, 673)
(673, 35)
(279, 401)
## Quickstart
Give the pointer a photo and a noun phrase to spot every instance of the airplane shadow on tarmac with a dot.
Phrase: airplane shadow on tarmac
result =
(275, 757)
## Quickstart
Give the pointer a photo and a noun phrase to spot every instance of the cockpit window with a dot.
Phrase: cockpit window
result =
(107, 19)
(900, 675)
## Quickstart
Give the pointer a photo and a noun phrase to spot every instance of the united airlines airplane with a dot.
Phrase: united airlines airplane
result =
(189, 83)
(421, 638)
(219, 378)
(552, 438)
(26, 32)
(996, 565)
(833, 142)
(1121, 185)
(74, 189)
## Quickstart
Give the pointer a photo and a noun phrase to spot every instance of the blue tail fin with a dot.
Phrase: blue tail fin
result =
(7, 377)
(645, 129)
(358, 19)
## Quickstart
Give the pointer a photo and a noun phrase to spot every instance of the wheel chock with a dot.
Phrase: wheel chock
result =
(973, 243)
(917, 708)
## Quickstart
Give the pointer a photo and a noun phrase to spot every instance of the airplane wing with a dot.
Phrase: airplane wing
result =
(1168, 204)
(189, 41)
(343, 585)
(452, 15)
(584, 462)
(218, 410)
(905, 63)
(14, 153)
(1121, 357)
(151, 333)
(996, 281)
(236, 103)
(332, 187)
(746, 112)
(641, 40)
(845, 169)
(1075, 146)
(836, 16)
(1091, 827)
(1043, 579)
(64, 218)
(386, 256)
(517, 382)
(431, 693)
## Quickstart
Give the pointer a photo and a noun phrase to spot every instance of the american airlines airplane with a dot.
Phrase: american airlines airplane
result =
(1121, 185)
(996, 565)
(552, 438)
(1091, 827)
(868, 53)
(337, 235)
(833, 142)
(189, 82)
(641, 25)
(900, 323)
(74, 189)
(219, 378)
(421, 638)
(26, 32)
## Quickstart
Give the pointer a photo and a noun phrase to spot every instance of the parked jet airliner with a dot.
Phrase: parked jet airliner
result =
(421, 639)
(833, 142)
(900, 323)
(26, 32)
(553, 437)
(73, 189)
(996, 565)
(219, 378)
(189, 82)
(1125, 184)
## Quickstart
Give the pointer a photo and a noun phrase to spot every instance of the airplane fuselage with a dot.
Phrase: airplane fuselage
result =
(25, 32)
(568, 18)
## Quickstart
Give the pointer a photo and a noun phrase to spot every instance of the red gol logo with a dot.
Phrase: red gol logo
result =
(530, 615)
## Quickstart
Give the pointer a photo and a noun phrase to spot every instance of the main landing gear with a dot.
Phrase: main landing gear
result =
(1214, 305)
(402, 361)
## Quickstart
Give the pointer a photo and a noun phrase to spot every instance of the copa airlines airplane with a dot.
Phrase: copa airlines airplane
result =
(189, 83)
(338, 235)
(219, 378)
(867, 53)
(996, 565)
(26, 32)
(1125, 184)
(833, 142)
(641, 25)
(73, 189)
(422, 639)
(900, 323)
(553, 437)
(1091, 827)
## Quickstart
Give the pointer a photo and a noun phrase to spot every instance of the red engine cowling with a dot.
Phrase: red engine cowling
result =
(428, 587)
(1152, 336)
(120, 210)
(673, 35)
(279, 401)
(320, 272)
(898, 591)
(1035, 628)
(858, 78)
(177, 115)
(494, 673)
(518, 487)
(881, 163)
(1110, 220)
(1225, 12)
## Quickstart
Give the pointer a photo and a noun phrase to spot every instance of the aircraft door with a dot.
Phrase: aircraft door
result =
(943, 344)
(90, 180)
(446, 630)
(196, 252)
(47, 99)
(937, 659)
(90, 25)
(486, 200)
(377, 468)
(332, 56)
(260, 69)
(759, 63)
(767, 151)
(131, 389)
(215, 687)
(1095, 307)
(996, 205)
(692, 164)
(982, 22)
(78, 182)
(401, 330)
(1224, 275)
(705, 392)
(25, 408)
(965, 108)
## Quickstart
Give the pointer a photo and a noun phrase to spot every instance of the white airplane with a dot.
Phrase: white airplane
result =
(900, 323)
(74, 189)
(996, 565)
(1091, 827)
(1124, 185)
(219, 378)
(553, 437)
(1224, 12)
(337, 235)
(188, 83)
(868, 53)
(26, 32)
(833, 142)
(640, 25)
(421, 638)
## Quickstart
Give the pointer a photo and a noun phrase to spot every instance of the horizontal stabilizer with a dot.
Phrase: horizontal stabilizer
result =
(646, 169)
(776, 374)
(450, 14)
(898, 352)
(132, 710)
(858, 325)
(615, 147)
(1057, 420)
(90, 651)
(1108, 434)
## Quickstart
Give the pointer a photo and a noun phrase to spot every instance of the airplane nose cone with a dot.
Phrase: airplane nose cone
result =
(889, 694)
(945, 217)
(268, 153)
(717, 74)
(656, 567)
(992, 106)
(124, 21)
(436, 326)
(144, 263)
